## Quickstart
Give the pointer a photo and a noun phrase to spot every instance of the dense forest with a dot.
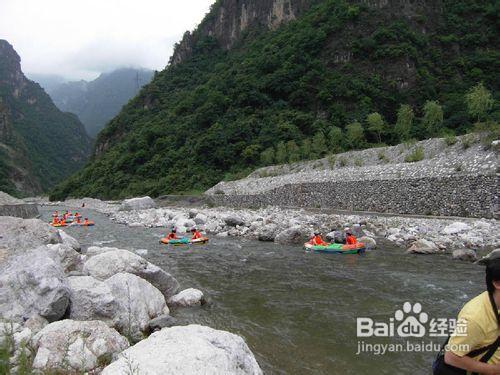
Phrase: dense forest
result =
(341, 76)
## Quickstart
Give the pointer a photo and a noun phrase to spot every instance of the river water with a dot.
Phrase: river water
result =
(297, 310)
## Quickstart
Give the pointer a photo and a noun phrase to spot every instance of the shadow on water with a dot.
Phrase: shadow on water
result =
(297, 310)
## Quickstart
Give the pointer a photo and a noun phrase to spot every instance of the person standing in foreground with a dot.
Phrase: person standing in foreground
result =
(476, 350)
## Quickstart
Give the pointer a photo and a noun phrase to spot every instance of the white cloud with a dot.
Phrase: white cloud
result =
(80, 39)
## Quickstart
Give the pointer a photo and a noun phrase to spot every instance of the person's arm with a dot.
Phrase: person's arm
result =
(471, 364)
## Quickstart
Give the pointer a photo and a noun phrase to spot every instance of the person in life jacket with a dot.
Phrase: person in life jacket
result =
(350, 239)
(55, 220)
(196, 234)
(173, 234)
(86, 221)
(78, 220)
(63, 222)
(317, 240)
(55, 214)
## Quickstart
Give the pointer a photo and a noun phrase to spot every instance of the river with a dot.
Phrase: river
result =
(297, 310)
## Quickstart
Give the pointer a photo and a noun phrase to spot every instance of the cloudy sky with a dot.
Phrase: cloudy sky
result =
(79, 39)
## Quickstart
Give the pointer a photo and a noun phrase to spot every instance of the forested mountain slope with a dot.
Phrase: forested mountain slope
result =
(39, 144)
(261, 82)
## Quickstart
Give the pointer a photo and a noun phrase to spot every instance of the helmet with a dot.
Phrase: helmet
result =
(317, 233)
(193, 229)
(174, 229)
(347, 229)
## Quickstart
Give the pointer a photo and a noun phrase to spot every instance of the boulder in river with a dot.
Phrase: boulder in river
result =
(494, 254)
(191, 349)
(233, 221)
(72, 346)
(267, 233)
(139, 303)
(291, 236)
(467, 255)
(162, 321)
(142, 203)
(423, 246)
(32, 283)
(187, 297)
(70, 241)
(109, 263)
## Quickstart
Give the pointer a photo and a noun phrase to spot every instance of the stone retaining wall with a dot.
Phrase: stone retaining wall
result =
(26, 211)
(461, 195)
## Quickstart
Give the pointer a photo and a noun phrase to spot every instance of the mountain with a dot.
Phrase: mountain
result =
(48, 81)
(261, 79)
(96, 102)
(39, 144)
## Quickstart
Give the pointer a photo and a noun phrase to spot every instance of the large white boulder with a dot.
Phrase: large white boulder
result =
(493, 255)
(71, 346)
(467, 255)
(423, 246)
(70, 241)
(92, 299)
(69, 259)
(186, 298)
(32, 283)
(369, 242)
(109, 263)
(18, 235)
(189, 350)
(456, 227)
(142, 203)
(139, 303)
(233, 220)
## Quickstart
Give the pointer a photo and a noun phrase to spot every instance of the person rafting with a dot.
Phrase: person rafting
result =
(86, 221)
(195, 234)
(173, 234)
(55, 214)
(317, 240)
(63, 222)
(78, 220)
(350, 239)
(55, 220)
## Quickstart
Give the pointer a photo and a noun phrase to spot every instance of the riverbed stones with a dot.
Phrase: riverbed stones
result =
(192, 350)
(423, 246)
(139, 303)
(92, 299)
(456, 227)
(233, 220)
(467, 255)
(142, 203)
(187, 298)
(109, 263)
(32, 283)
(200, 218)
(267, 233)
(162, 321)
(72, 346)
(66, 256)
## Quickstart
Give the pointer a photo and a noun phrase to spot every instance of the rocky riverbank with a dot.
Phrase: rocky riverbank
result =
(461, 237)
(68, 310)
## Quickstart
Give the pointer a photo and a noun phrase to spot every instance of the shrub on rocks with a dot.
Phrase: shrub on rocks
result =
(107, 264)
(142, 203)
(423, 246)
(192, 350)
(71, 346)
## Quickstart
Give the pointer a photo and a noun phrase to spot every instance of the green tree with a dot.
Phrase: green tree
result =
(433, 117)
(335, 139)
(404, 122)
(479, 101)
(376, 125)
(319, 146)
(293, 152)
(355, 136)
(267, 156)
(281, 155)
(251, 153)
(305, 150)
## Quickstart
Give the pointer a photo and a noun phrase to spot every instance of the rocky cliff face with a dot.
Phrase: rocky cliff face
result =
(39, 145)
(229, 19)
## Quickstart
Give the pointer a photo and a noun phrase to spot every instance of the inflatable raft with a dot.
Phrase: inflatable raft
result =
(199, 241)
(58, 225)
(336, 248)
(177, 241)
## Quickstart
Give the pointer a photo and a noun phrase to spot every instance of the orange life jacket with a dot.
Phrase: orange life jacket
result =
(318, 241)
(172, 236)
(196, 235)
(350, 239)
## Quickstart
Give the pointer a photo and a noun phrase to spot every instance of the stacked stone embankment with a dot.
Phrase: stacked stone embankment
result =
(453, 178)
(10, 206)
